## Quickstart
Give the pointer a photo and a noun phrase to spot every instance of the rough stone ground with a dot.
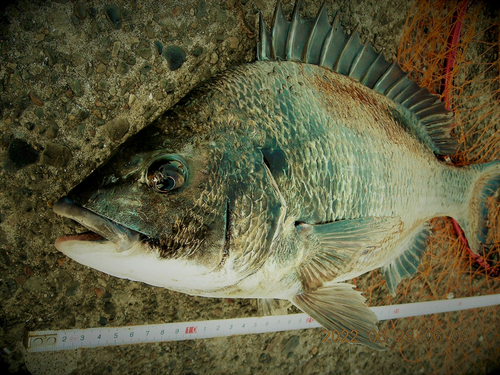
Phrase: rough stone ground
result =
(74, 84)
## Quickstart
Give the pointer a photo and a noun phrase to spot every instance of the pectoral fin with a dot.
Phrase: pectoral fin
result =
(340, 308)
(332, 245)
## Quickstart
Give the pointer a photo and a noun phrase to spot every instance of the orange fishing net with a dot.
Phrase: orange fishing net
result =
(467, 341)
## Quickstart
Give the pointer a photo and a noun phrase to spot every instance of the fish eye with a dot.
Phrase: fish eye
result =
(166, 173)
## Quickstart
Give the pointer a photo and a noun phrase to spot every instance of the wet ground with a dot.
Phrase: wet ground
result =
(76, 80)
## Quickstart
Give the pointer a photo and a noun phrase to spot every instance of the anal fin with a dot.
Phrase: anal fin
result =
(406, 264)
(340, 308)
(270, 306)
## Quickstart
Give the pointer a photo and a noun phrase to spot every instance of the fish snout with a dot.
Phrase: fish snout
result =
(123, 238)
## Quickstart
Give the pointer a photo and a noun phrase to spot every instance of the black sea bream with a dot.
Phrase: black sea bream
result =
(281, 179)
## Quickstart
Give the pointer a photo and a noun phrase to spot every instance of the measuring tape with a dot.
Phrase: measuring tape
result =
(40, 341)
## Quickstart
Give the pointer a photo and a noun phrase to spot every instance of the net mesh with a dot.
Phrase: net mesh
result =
(465, 341)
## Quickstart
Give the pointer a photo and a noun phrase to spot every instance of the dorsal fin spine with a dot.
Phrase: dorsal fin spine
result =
(383, 78)
(324, 48)
(292, 31)
(423, 103)
(356, 62)
(435, 109)
(316, 37)
(406, 92)
(263, 45)
(412, 97)
(369, 71)
(329, 53)
(397, 87)
(279, 34)
(344, 56)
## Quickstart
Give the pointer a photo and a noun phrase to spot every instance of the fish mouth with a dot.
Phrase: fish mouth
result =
(102, 228)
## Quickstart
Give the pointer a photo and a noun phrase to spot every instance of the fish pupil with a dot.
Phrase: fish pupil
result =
(166, 173)
(167, 179)
(166, 184)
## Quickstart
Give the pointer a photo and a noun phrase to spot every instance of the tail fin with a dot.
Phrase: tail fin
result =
(474, 225)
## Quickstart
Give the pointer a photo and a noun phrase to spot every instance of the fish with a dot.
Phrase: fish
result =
(283, 179)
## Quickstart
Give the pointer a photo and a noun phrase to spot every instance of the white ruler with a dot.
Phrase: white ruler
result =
(39, 341)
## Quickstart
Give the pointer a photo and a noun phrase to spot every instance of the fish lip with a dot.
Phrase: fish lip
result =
(122, 237)
(86, 237)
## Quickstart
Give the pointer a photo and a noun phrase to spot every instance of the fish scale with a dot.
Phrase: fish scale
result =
(282, 179)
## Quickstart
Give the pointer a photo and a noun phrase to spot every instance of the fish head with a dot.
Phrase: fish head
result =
(156, 210)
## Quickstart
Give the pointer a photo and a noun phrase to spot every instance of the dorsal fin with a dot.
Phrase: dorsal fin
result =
(319, 43)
